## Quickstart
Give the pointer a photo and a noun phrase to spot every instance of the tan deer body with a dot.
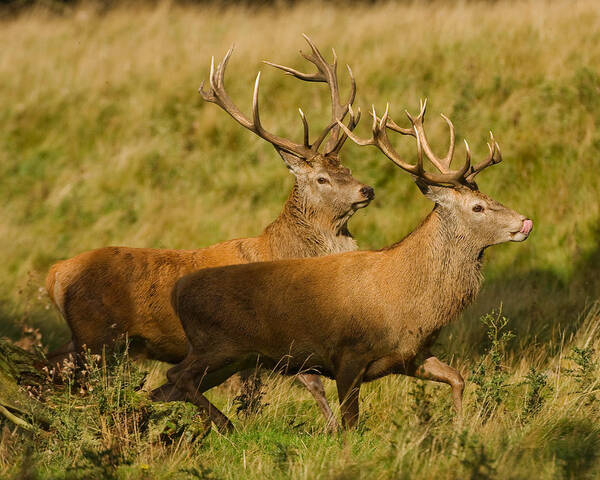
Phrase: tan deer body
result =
(111, 292)
(316, 325)
(354, 316)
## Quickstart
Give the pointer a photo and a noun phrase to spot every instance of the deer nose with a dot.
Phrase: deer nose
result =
(368, 192)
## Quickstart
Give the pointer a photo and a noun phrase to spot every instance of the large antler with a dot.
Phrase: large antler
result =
(327, 73)
(217, 94)
(447, 176)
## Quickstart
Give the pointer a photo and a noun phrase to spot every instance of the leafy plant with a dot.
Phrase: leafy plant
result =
(584, 372)
(536, 383)
(198, 473)
(250, 399)
(423, 404)
(490, 374)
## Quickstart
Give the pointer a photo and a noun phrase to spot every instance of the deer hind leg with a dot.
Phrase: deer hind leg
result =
(434, 369)
(315, 387)
(348, 381)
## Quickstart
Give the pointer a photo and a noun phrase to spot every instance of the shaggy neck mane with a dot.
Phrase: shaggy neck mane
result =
(443, 264)
(312, 231)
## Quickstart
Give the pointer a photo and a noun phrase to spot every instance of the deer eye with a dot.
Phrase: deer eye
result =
(478, 208)
(322, 180)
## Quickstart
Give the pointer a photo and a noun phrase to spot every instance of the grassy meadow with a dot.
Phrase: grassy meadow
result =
(105, 141)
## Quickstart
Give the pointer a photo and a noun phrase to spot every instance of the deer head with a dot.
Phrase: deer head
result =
(323, 184)
(475, 218)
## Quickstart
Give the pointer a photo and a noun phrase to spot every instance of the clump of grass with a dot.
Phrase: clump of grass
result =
(103, 464)
(475, 459)
(574, 443)
(97, 413)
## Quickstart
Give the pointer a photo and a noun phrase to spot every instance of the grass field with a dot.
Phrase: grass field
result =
(104, 141)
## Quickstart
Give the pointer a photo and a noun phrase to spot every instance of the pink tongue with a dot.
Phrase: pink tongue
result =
(527, 227)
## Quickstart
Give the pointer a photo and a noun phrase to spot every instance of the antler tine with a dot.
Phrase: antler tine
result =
(255, 114)
(393, 126)
(467, 165)
(211, 77)
(316, 53)
(352, 95)
(417, 123)
(450, 154)
(384, 119)
(326, 73)
(354, 119)
(381, 141)
(493, 158)
(305, 125)
(218, 95)
(308, 77)
(419, 154)
(359, 141)
(207, 95)
(317, 143)
(397, 128)
(499, 152)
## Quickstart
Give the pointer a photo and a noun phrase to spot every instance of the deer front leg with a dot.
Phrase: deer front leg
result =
(188, 380)
(434, 369)
(192, 395)
(171, 393)
(348, 381)
(315, 387)
(167, 393)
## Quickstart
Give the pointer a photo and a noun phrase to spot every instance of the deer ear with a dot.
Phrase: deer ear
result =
(295, 164)
(435, 194)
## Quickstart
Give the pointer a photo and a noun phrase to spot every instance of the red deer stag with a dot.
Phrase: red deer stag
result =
(356, 316)
(106, 293)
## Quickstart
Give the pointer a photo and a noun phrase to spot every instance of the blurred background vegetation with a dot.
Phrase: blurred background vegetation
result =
(104, 141)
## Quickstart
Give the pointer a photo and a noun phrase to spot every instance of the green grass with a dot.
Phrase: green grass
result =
(104, 140)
